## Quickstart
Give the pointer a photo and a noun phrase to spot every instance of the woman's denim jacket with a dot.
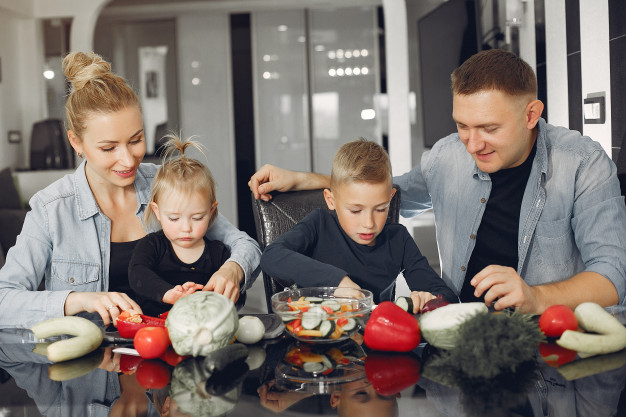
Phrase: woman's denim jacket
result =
(572, 217)
(66, 240)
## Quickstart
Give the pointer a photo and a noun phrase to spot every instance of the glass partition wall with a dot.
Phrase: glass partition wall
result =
(316, 75)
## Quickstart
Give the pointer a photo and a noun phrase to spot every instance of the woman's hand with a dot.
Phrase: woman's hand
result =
(108, 304)
(110, 360)
(226, 281)
(419, 299)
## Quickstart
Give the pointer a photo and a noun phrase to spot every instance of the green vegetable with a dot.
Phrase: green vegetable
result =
(405, 303)
(493, 364)
(201, 323)
(609, 334)
(440, 327)
(490, 344)
(189, 389)
(88, 337)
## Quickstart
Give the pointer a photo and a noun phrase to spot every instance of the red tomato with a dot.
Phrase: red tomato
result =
(129, 363)
(171, 357)
(556, 319)
(151, 342)
(153, 374)
(555, 355)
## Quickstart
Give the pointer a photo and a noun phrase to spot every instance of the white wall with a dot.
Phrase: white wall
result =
(22, 88)
(556, 62)
(596, 64)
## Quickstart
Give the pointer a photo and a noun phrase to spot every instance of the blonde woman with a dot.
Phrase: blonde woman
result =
(82, 229)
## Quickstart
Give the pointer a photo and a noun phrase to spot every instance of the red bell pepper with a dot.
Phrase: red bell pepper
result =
(127, 329)
(390, 328)
(391, 373)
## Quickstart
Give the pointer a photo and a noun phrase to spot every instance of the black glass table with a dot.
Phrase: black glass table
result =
(284, 377)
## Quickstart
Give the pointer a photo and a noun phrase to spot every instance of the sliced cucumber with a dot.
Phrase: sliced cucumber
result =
(327, 327)
(349, 325)
(313, 366)
(333, 304)
(327, 362)
(405, 303)
(314, 300)
(289, 316)
(312, 318)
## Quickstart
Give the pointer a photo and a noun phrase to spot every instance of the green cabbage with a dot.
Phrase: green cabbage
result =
(201, 323)
(440, 327)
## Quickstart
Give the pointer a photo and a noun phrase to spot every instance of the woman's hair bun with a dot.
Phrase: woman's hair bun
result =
(80, 68)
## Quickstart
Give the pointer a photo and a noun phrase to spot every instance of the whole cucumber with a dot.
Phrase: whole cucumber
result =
(87, 337)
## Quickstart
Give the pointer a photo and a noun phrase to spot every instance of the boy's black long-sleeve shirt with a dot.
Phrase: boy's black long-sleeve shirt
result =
(316, 252)
(154, 269)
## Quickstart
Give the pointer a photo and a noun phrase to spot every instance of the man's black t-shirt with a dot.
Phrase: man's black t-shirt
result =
(497, 235)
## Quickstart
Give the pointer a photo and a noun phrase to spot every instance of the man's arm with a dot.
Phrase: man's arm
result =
(271, 178)
(503, 288)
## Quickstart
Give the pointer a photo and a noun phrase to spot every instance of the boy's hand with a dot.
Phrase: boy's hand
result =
(419, 299)
(346, 282)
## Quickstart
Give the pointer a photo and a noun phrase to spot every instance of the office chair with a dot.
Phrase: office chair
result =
(283, 211)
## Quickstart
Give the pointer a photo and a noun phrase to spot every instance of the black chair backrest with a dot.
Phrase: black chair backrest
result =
(283, 211)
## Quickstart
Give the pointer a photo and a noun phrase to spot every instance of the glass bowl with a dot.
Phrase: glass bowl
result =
(322, 314)
(320, 368)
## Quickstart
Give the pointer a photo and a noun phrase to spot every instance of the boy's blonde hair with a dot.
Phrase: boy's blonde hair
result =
(360, 161)
(181, 175)
(93, 89)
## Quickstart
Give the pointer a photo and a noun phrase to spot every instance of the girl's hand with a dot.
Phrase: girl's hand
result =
(191, 287)
(173, 295)
(108, 304)
(419, 299)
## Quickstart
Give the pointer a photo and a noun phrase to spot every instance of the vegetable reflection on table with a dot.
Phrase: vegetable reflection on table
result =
(355, 383)
(493, 364)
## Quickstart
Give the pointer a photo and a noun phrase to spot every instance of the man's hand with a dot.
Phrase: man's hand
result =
(270, 178)
(226, 281)
(503, 287)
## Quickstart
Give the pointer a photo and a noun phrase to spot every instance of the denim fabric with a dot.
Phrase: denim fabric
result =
(66, 241)
(572, 217)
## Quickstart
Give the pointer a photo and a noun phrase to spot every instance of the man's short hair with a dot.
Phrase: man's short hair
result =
(360, 161)
(494, 69)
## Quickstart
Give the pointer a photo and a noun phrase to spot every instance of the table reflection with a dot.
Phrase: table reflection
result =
(345, 380)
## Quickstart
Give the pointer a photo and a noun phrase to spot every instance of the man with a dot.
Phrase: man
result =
(527, 214)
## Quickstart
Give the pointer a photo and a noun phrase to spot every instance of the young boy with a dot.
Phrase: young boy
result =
(350, 246)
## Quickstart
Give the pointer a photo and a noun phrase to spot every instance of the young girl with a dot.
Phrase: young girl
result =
(177, 260)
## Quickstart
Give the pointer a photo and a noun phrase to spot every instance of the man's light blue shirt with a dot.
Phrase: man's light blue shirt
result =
(572, 217)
